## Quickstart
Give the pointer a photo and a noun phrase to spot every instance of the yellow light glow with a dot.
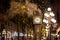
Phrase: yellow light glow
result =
(23, 7)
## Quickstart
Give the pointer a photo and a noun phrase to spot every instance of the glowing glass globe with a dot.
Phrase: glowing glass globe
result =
(52, 14)
(49, 9)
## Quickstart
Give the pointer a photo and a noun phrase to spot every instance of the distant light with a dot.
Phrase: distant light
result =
(49, 9)
(29, 35)
(21, 34)
(44, 37)
(4, 31)
(46, 14)
(52, 14)
(44, 20)
(25, 35)
(53, 20)
(15, 33)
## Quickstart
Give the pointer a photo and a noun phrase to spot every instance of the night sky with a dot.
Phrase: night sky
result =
(59, 12)
(4, 5)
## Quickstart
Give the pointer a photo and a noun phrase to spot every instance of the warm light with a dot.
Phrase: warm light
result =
(46, 14)
(25, 35)
(47, 30)
(53, 20)
(47, 33)
(46, 21)
(52, 14)
(49, 9)
(23, 7)
(4, 31)
(57, 35)
(28, 34)
(37, 20)
(31, 35)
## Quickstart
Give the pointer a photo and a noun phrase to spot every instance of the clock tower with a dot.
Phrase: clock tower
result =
(37, 21)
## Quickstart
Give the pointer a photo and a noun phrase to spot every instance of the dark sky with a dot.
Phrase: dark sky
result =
(59, 12)
(4, 5)
(58, 8)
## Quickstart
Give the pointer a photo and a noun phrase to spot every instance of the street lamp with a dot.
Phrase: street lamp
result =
(49, 17)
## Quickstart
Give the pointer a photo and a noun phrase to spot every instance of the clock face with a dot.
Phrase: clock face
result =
(37, 20)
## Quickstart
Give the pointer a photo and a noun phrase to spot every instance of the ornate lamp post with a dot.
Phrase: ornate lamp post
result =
(49, 18)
